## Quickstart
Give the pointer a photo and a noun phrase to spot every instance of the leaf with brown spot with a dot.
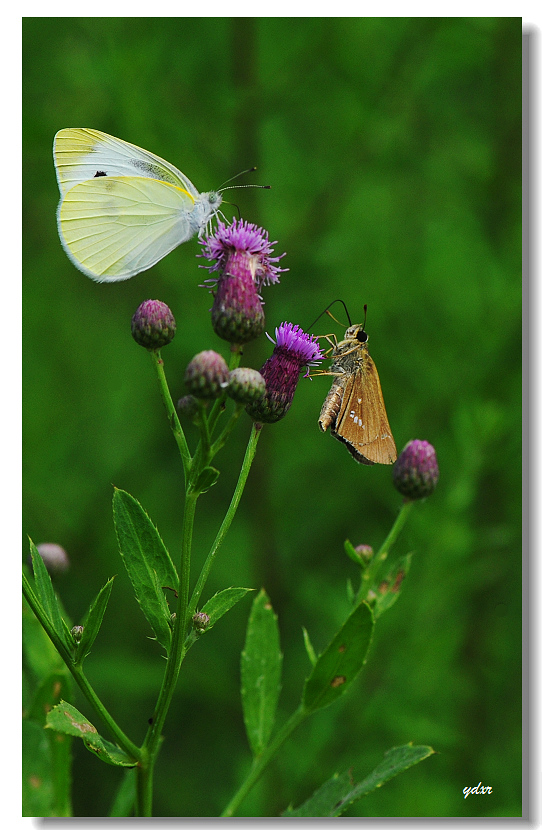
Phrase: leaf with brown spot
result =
(341, 662)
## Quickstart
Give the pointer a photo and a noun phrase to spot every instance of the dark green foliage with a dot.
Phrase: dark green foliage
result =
(393, 147)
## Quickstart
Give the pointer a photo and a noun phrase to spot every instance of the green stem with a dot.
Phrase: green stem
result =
(226, 432)
(370, 574)
(173, 418)
(78, 674)
(235, 359)
(228, 518)
(175, 658)
(263, 760)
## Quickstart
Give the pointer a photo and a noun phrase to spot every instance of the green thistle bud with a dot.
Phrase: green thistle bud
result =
(188, 407)
(246, 385)
(365, 552)
(77, 633)
(206, 375)
(153, 325)
(416, 473)
(200, 621)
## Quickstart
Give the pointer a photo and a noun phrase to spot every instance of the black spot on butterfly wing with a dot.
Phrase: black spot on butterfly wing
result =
(99, 173)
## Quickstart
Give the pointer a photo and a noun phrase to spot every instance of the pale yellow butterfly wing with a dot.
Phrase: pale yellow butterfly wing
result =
(114, 227)
(81, 154)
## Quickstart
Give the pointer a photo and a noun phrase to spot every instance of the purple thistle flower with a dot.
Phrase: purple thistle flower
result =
(416, 472)
(242, 254)
(294, 350)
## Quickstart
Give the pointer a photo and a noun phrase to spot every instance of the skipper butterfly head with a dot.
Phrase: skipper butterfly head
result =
(356, 332)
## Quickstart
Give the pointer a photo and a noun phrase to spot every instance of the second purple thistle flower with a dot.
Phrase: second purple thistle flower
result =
(294, 350)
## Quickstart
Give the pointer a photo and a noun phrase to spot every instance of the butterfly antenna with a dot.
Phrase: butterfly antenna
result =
(242, 173)
(365, 318)
(327, 311)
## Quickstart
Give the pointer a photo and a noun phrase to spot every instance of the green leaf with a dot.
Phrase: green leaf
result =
(308, 647)
(53, 688)
(390, 586)
(218, 605)
(261, 665)
(206, 479)
(37, 786)
(46, 593)
(41, 656)
(93, 621)
(341, 662)
(68, 720)
(340, 792)
(350, 551)
(123, 805)
(147, 561)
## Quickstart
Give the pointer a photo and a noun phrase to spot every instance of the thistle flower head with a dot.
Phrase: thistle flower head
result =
(153, 325)
(294, 350)
(416, 472)
(242, 254)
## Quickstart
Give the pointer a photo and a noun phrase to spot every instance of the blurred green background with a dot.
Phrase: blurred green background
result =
(393, 147)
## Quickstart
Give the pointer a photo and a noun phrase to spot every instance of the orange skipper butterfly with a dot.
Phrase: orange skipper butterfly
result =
(354, 409)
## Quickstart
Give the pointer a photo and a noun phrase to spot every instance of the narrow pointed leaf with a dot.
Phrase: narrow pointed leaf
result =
(206, 479)
(93, 621)
(340, 792)
(68, 720)
(123, 804)
(218, 605)
(341, 662)
(147, 561)
(308, 647)
(46, 593)
(390, 586)
(261, 665)
(352, 554)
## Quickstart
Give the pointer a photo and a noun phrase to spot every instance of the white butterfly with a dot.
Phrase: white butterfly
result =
(122, 209)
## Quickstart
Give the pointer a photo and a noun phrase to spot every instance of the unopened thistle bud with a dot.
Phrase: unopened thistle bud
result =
(246, 385)
(416, 473)
(187, 407)
(365, 552)
(200, 621)
(243, 261)
(206, 375)
(153, 325)
(77, 633)
(294, 350)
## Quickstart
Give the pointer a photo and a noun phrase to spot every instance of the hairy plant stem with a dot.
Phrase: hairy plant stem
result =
(370, 574)
(176, 654)
(261, 762)
(228, 518)
(192, 468)
(173, 418)
(78, 674)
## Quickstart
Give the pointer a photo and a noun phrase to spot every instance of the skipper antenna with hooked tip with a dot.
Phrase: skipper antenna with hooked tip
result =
(326, 311)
